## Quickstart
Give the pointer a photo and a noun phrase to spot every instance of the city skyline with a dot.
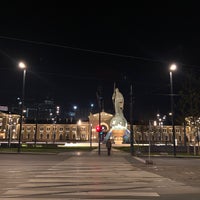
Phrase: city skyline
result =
(70, 56)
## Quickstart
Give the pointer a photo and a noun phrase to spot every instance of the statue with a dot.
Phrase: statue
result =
(118, 101)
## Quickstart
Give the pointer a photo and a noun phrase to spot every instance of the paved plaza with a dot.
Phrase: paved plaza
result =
(87, 175)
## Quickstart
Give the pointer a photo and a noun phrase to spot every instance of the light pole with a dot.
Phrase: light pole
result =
(23, 67)
(75, 110)
(91, 107)
(100, 100)
(151, 122)
(172, 68)
(91, 122)
(9, 134)
(131, 122)
(99, 140)
(160, 122)
(91, 136)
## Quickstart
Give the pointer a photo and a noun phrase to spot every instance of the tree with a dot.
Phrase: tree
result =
(189, 102)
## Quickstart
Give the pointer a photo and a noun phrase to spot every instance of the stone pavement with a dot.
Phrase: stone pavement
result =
(93, 176)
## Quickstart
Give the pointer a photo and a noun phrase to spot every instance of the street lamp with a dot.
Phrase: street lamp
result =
(75, 110)
(98, 128)
(172, 68)
(9, 133)
(151, 123)
(159, 123)
(23, 67)
(131, 121)
(91, 107)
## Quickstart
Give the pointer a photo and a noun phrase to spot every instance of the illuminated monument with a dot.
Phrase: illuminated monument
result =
(118, 123)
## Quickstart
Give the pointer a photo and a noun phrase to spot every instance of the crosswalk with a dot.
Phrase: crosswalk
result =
(86, 177)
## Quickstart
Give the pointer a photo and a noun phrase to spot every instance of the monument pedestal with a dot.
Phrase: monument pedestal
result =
(117, 136)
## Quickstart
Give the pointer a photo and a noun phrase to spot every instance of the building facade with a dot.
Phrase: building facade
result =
(86, 131)
(9, 126)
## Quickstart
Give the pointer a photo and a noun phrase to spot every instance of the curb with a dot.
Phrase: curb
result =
(139, 159)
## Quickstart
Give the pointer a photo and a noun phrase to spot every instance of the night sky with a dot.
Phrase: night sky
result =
(70, 53)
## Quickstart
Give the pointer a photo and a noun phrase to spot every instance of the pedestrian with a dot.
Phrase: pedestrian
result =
(109, 145)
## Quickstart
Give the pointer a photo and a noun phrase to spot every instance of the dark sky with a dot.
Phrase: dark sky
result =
(70, 53)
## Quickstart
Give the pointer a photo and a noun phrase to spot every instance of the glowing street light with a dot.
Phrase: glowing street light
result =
(172, 68)
(22, 66)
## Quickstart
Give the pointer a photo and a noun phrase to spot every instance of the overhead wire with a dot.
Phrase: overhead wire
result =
(94, 51)
(82, 49)
(195, 67)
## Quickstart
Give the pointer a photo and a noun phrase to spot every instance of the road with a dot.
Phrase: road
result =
(185, 170)
(77, 175)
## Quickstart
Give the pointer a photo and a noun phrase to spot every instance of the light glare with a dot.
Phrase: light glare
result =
(22, 65)
(172, 67)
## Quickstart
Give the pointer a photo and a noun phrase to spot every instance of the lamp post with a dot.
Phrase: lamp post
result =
(23, 67)
(75, 111)
(151, 123)
(160, 122)
(9, 134)
(99, 139)
(91, 122)
(172, 68)
(91, 117)
(131, 122)
(100, 100)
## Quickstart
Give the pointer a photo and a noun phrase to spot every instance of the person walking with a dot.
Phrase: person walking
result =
(109, 145)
